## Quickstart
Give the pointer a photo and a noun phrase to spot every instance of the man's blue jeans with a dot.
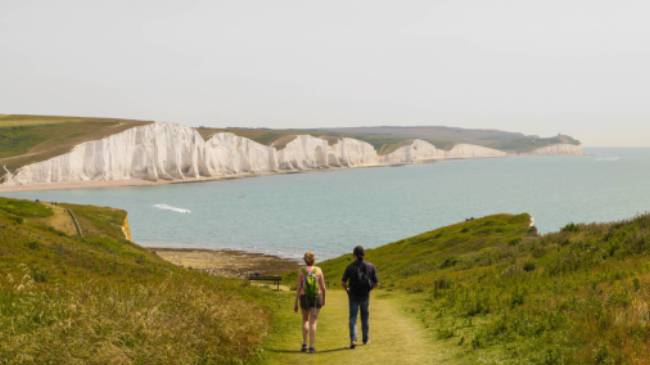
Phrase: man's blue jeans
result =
(357, 304)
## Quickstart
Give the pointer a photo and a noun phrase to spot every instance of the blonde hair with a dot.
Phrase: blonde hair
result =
(309, 258)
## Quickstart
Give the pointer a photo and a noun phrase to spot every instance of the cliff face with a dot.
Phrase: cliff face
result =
(126, 229)
(307, 152)
(420, 150)
(559, 149)
(162, 151)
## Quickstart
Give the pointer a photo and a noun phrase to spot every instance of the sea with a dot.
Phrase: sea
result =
(331, 211)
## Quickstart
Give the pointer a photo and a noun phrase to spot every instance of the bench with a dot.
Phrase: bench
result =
(258, 277)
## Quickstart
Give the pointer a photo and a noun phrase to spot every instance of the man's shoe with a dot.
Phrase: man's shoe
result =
(366, 342)
(352, 345)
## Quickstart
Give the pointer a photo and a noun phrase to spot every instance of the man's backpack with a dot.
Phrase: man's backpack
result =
(360, 282)
(310, 283)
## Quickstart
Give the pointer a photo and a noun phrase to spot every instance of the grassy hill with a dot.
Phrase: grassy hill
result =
(101, 299)
(448, 137)
(388, 139)
(494, 291)
(26, 139)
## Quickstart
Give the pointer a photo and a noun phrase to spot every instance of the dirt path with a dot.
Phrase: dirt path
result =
(396, 338)
(60, 220)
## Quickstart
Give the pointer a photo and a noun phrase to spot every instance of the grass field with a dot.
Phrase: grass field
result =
(101, 299)
(501, 294)
(26, 139)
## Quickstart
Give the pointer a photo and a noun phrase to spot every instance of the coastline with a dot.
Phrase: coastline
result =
(226, 262)
(96, 184)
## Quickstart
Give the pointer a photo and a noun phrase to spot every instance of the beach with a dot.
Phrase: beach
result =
(229, 263)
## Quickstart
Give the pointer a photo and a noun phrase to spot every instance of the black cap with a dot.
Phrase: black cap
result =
(359, 252)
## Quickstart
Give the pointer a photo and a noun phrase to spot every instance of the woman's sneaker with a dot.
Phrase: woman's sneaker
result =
(312, 350)
(303, 348)
(352, 345)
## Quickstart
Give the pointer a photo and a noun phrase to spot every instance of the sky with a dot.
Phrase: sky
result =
(578, 67)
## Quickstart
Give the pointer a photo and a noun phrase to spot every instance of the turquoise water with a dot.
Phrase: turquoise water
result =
(332, 211)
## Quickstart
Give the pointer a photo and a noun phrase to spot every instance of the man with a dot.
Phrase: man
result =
(358, 280)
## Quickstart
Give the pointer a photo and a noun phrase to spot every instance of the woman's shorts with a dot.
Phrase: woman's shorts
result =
(309, 303)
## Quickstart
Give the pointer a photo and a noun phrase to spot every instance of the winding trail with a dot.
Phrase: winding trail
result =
(396, 337)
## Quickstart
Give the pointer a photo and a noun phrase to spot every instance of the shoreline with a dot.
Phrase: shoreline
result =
(94, 184)
(226, 262)
(139, 182)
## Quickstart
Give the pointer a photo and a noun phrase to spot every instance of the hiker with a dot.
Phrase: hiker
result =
(358, 280)
(310, 294)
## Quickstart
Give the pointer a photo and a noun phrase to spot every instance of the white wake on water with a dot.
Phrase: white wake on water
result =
(172, 208)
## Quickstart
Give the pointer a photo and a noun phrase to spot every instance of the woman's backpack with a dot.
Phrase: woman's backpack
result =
(310, 283)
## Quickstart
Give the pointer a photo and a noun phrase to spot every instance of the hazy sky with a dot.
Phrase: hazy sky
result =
(580, 67)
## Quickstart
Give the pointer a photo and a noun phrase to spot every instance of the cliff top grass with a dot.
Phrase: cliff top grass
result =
(278, 138)
(387, 139)
(26, 139)
(496, 292)
(102, 299)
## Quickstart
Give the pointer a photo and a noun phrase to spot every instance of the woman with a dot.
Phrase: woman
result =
(310, 294)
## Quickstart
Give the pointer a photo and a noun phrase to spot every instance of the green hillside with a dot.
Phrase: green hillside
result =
(388, 139)
(498, 293)
(100, 299)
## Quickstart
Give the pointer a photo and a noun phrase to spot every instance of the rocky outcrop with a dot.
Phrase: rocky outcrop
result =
(416, 151)
(465, 151)
(307, 152)
(126, 229)
(419, 151)
(559, 149)
(171, 152)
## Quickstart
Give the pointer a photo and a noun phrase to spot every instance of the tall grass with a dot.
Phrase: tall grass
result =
(104, 300)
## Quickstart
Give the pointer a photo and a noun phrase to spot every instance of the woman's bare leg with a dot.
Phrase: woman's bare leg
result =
(305, 326)
(313, 322)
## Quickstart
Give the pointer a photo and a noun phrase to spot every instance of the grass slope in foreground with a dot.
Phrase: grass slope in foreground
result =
(495, 292)
(101, 299)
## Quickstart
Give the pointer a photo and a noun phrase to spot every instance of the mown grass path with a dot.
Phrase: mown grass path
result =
(395, 337)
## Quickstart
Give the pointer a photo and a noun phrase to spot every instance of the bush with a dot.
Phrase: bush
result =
(529, 266)
(570, 228)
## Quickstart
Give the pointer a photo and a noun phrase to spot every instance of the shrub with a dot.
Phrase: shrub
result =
(570, 228)
(529, 266)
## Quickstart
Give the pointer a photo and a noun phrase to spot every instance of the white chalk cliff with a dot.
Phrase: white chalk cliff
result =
(419, 150)
(171, 152)
(559, 149)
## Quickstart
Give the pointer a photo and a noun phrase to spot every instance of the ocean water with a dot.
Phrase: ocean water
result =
(330, 212)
